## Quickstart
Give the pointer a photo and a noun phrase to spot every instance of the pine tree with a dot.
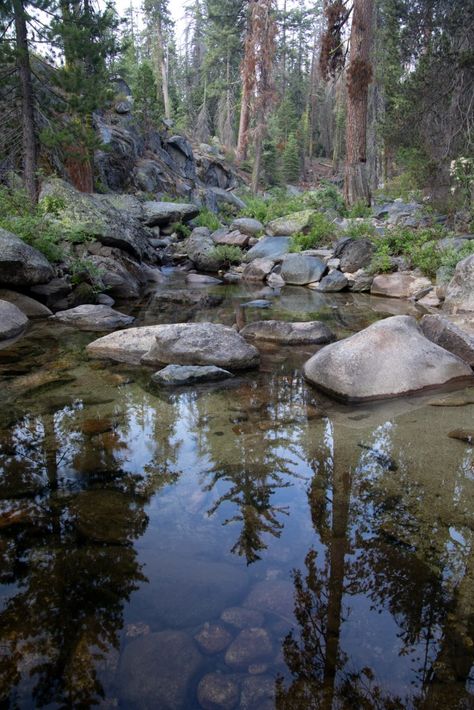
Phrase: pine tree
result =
(291, 160)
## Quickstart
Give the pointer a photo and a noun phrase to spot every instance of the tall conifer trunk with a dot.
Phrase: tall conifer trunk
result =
(27, 110)
(356, 182)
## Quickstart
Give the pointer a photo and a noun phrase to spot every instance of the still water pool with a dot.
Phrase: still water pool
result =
(250, 544)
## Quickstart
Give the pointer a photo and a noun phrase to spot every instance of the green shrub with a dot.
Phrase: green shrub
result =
(418, 245)
(208, 219)
(320, 230)
(381, 261)
(359, 209)
(359, 230)
(227, 254)
(326, 197)
(85, 270)
(181, 229)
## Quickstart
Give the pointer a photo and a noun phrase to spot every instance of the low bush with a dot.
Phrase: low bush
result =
(360, 230)
(227, 254)
(208, 219)
(319, 231)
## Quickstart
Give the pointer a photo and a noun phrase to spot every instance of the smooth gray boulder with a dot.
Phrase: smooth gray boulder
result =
(124, 345)
(200, 249)
(258, 269)
(299, 269)
(269, 248)
(448, 336)
(201, 344)
(247, 225)
(399, 285)
(12, 321)
(159, 214)
(186, 297)
(286, 333)
(460, 290)
(116, 278)
(389, 358)
(30, 307)
(189, 374)
(21, 264)
(156, 670)
(93, 317)
(332, 282)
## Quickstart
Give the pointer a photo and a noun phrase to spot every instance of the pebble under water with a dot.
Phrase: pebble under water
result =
(245, 544)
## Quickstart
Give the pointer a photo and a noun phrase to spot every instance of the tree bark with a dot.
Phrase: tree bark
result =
(163, 68)
(356, 183)
(27, 111)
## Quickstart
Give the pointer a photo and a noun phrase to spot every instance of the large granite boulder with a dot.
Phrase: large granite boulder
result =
(29, 306)
(201, 344)
(119, 281)
(93, 317)
(98, 217)
(389, 358)
(156, 670)
(460, 290)
(247, 225)
(124, 345)
(216, 198)
(21, 264)
(286, 333)
(399, 285)
(159, 214)
(269, 248)
(299, 269)
(290, 224)
(200, 248)
(332, 282)
(258, 269)
(12, 321)
(355, 254)
(449, 336)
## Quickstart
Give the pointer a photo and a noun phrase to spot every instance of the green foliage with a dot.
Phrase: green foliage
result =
(326, 197)
(291, 160)
(84, 270)
(402, 185)
(227, 254)
(359, 209)
(208, 219)
(320, 230)
(360, 230)
(52, 204)
(381, 261)
(181, 229)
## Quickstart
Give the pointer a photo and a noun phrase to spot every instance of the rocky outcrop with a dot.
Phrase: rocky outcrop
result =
(389, 358)
(158, 214)
(20, 264)
(201, 344)
(448, 336)
(189, 374)
(12, 321)
(460, 290)
(286, 333)
(299, 269)
(93, 317)
(399, 285)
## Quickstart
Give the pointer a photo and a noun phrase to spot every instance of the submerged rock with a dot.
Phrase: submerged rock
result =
(242, 618)
(389, 358)
(93, 317)
(447, 335)
(189, 374)
(299, 269)
(12, 321)
(258, 693)
(286, 333)
(21, 264)
(272, 597)
(251, 646)
(201, 344)
(218, 691)
(213, 638)
(156, 670)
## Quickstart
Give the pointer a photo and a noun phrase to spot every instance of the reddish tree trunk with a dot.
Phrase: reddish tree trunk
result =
(356, 183)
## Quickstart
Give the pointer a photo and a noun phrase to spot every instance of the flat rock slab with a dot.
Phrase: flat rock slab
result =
(201, 344)
(159, 214)
(269, 248)
(189, 374)
(30, 307)
(286, 333)
(156, 669)
(398, 285)
(187, 297)
(299, 269)
(124, 345)
(448, 336)
(234, 239)
(93, 317)
(21, 264)
(389, 358)
(12, 321)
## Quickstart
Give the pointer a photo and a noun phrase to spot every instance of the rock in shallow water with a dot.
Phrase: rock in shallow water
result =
(12, 321)
(286, 333)
(20, 264)
(448, 336)
(124, 345)
(189, 374)
(299, 269)
(466, 435)
(333, 282)
(155, 670)
(213, 638)
(242, 618)
(217, 691)
(251, 646)
(201, 344)
(30, 307)
(93, 317)
(389, 358)
(398, 285)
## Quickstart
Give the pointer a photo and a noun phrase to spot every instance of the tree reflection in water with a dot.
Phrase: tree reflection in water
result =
(67, 557)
